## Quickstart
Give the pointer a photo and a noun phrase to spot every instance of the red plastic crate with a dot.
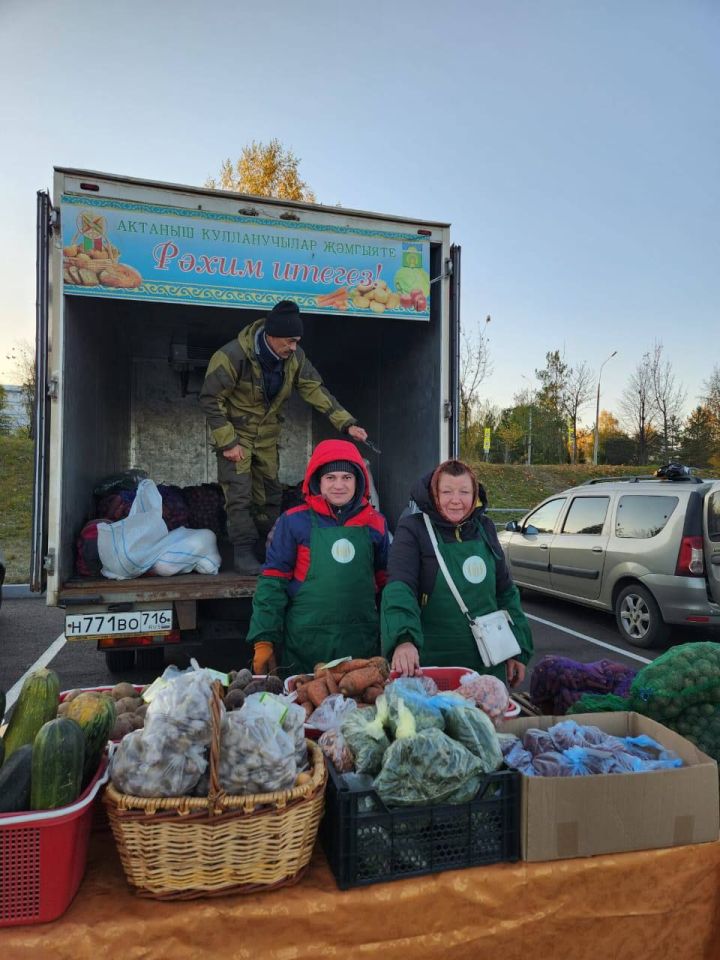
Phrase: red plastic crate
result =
(43, 856)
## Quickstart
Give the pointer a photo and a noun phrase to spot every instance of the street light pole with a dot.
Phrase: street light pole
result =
(530, 412)
(597, 410)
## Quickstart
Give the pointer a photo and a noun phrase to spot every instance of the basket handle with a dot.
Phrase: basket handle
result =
(214, 791)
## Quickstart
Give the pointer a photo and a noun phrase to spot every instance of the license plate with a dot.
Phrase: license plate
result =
(139, 622)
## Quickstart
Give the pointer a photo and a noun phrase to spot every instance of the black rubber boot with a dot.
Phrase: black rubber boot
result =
(244, 561)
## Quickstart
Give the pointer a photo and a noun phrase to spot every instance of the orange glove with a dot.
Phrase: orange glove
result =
(263, 657)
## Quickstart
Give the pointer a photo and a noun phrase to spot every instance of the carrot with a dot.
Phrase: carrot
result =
(372, 693)
(302, 695)
(342, 668)
(317, 691)
(326, 299)
(382, 665)
(354, 684)
(309, 710)
(331, 683)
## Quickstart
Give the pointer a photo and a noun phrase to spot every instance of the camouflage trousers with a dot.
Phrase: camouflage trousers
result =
(253, 496)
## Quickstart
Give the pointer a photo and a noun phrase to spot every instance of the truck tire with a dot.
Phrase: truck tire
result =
(639, 619)
(120, 661)
(151, 658)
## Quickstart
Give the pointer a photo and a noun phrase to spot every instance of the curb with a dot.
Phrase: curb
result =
(19, 591)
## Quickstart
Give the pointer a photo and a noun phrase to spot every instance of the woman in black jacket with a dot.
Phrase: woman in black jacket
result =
(421, 621)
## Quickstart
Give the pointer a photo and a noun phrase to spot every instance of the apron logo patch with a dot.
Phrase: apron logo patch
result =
(343, 551)
(474, 569)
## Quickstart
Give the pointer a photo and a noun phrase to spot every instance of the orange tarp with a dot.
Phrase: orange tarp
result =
(654, 904)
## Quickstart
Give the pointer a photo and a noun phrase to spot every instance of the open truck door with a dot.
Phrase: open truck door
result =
(711, 537)
(41, 413)
(454, 411)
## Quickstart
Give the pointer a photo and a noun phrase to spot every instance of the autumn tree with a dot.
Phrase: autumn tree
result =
(578, 390)
(698, 437)
(668, 399)
(264, 170)
(638, 408)
(5, 424)
(474, 367)
(23, 356)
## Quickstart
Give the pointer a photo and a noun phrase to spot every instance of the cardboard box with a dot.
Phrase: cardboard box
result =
(563, 817)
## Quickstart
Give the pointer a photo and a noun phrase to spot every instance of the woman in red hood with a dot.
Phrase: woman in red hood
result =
(317, 597)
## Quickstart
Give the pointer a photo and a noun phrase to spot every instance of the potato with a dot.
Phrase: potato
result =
(123, 689)
(382, 295)
(361, 302)
(71, 250)
(377, 307)
(128, 704)
(274, 684)
(393, 301)
(82, 259)
(137, 722)
(241, 679)
(123, 725)
(234, 699)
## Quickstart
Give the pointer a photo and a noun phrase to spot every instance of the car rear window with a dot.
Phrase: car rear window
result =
(713, 520)
(586, 515)
(641, 517)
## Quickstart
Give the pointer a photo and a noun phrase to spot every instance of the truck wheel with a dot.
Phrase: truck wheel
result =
(151, 659)
(120, 661)
(639, 619)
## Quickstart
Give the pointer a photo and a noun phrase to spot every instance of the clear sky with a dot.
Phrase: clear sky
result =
(573, 144)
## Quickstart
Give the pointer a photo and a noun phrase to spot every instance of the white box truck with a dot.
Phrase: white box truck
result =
(138, 283)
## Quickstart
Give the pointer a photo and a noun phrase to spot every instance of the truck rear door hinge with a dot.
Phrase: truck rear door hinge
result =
(447, 410)
(53, 388)
(49, 561)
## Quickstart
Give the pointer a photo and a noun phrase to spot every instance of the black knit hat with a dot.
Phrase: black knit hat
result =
(284, 320)
(340, 466)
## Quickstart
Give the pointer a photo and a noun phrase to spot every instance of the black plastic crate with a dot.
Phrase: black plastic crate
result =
(366, 842)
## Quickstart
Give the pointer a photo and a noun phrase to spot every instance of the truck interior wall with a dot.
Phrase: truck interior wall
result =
(126, 405)
(96, 401)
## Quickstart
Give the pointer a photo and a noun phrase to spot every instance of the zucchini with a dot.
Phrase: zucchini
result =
(15, 781)
(37, 703)
(58, 755)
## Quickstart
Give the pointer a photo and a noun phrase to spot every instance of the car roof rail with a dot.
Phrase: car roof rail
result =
(639, 477)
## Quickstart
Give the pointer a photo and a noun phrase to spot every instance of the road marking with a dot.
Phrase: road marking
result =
(42, 661)
(584, 636)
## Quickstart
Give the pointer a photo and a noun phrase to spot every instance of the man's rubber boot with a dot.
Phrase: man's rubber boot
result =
(244, 561)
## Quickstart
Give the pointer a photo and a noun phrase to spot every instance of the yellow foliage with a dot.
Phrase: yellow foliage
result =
(264, 170)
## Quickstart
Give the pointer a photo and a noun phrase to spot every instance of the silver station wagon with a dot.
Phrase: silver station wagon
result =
(645, 548)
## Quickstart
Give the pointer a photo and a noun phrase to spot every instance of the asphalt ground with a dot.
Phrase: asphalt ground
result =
(31, 634)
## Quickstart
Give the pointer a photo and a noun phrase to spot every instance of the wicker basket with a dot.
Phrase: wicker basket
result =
(185, 847)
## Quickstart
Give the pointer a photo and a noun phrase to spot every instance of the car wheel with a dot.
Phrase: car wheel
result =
(639, 619)
(119, 661)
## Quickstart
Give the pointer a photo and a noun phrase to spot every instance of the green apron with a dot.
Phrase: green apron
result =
(334, 613)
(448, 641)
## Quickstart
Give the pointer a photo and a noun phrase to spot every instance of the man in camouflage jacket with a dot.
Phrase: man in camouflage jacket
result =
(246, 386)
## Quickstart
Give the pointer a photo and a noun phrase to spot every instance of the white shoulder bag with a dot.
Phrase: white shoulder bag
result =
(495, 640)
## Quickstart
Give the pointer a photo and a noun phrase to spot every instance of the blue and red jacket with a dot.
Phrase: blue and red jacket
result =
(288, 551)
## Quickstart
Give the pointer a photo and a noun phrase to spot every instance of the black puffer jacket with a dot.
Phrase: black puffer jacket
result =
(412, 559)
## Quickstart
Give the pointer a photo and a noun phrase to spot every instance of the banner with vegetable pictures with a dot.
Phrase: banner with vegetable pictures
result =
(135, 251)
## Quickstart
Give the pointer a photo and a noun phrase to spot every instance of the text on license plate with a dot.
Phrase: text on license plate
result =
(106, 624)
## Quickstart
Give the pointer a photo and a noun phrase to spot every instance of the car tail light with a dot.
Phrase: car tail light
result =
(691, 560)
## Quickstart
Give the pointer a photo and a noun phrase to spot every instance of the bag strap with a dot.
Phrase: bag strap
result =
(443, 566)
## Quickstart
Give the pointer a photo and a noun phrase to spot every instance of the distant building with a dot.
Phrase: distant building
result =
(14, 408)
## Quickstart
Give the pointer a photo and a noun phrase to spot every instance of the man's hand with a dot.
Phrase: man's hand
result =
(234, 454)
(515, 672)
(406, 659)
(357, 433)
